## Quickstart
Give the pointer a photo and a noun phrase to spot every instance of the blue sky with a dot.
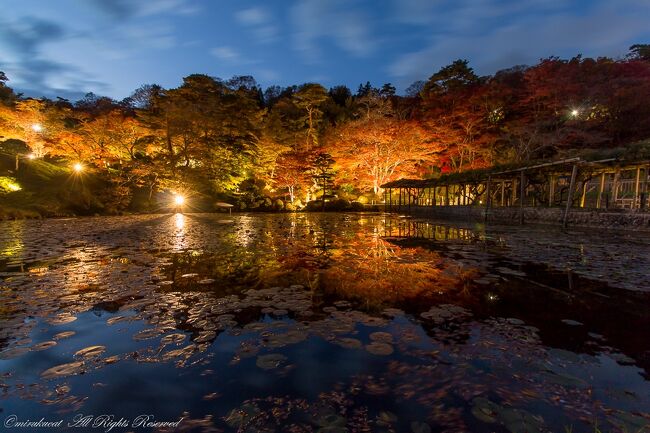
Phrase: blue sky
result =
(111, 47)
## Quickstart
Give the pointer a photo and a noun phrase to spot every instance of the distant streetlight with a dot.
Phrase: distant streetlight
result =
(78, 167)
(575, 112)
(37, 127)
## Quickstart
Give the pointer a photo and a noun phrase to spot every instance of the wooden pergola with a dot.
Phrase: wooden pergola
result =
(573, 182)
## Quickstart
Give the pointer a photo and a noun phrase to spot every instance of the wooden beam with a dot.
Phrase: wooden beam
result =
(569, 200)
(547, 164)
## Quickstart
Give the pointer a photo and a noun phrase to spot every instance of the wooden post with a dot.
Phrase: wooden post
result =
(399, 203)
(583, 198)
(435, 199)
(522, 194)
(488, 197)
(617, 176)
(409, 197)
(646, 188)
(635, 203)
(569, 200)
(551, 191)
(446, 195)
(514, 192)
(601, 188)
(503, 193)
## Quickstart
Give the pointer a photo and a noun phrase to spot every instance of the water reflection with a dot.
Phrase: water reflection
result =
(309, 322)
(179, 220)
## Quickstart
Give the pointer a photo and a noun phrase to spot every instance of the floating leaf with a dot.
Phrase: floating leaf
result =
(270, 361)
(90, 352)
(63, 370)
(377, 348)
(349, 343)
(43, 346)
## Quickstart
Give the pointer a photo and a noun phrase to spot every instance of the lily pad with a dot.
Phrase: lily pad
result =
(63, 370)
(485, 410)
(382, 337)
(62, 335)
(571, 322)
(270, 361)
(240, 416)
(90, 352)
(43, 346)
(173, 338)
(377, 348)
(349, 343)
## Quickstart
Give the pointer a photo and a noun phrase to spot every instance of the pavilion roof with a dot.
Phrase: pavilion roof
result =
(507, 172)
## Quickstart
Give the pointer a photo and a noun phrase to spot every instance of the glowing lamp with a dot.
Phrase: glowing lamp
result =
(37, 127)
(575, 113)
(78, 167)
(31, 156)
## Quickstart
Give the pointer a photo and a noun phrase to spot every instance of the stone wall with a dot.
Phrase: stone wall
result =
(577, 217)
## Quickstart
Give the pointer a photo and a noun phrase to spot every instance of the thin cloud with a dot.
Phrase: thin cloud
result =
(316, 20)
(523, 39)
(27, 65)
(252, 16)
(225, 53)
(126, 9)
(260, 22)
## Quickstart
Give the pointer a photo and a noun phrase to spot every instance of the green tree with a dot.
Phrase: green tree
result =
(450, 78)
(322, 172)
(640, 52)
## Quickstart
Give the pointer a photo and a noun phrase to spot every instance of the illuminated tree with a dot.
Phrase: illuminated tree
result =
(309, 99)
(291, 174)
(373, 152)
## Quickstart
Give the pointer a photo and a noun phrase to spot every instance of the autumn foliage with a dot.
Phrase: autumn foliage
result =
(230, 138)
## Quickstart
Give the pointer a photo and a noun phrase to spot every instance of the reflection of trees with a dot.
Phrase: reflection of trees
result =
(339, 255)
(378, 273)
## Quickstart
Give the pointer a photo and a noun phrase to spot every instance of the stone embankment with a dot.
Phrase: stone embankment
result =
(577, 217)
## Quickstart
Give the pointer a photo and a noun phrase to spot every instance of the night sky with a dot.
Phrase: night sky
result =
(70, 47)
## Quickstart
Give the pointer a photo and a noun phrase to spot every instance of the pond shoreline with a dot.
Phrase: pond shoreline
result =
(577, 218)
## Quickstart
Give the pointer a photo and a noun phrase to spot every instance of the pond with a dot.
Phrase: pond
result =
(321, 323)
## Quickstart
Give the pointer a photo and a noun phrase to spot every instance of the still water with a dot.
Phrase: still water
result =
(322, 323)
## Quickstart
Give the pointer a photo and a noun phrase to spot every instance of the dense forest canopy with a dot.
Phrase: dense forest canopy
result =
(232, 139)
